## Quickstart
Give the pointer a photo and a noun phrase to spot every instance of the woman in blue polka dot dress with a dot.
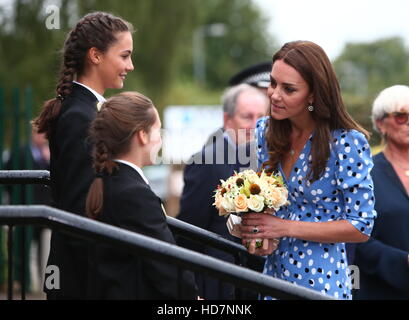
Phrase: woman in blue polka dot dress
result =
(325, 160)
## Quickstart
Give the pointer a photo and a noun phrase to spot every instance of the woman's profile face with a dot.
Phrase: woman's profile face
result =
(289, 93)
(396, 131)
(116, 62)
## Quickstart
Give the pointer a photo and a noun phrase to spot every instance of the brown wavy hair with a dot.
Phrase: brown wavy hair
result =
(99, 30)
(329, 113)
(110, 134)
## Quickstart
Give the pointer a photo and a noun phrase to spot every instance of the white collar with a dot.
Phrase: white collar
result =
(139, 170)
(96, 94)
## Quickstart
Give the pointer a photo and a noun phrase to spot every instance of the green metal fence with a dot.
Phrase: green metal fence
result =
(16, 113)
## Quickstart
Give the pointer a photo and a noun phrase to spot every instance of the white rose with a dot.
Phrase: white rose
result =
(223, 212)
(256, 203)
(270, 180)
(228, 204)
(218, 200)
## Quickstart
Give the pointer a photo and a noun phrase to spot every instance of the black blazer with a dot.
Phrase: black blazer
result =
(383, 260)
(214, 162)
(130, 203)
(71, 175)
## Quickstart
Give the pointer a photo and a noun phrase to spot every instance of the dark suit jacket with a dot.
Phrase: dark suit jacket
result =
(130, 203)
(217, 160)
(383, 260)
(71, 175)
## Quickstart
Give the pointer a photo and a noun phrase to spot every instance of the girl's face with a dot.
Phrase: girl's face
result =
(155, 140)
(289, 93)
(116, 62)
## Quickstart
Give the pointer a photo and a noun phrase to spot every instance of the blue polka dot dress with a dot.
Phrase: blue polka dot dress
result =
(344, 192)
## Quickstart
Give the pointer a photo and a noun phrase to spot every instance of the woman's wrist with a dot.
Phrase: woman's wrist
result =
(289, 228)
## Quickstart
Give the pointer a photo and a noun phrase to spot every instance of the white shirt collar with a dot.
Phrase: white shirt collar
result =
(139, 170)
(96, 94)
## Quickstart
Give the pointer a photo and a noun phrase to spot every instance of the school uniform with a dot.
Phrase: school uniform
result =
(129, 203)
(71, 175)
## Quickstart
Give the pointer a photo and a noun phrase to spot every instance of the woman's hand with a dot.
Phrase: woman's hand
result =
(265, 226)
(268, 247)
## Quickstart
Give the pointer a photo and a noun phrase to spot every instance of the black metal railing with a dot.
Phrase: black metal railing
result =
(19, 177)
(179, 228)
(155, 249)
(212, 240)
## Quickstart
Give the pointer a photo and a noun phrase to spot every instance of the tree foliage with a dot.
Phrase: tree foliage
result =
(245, 42)
(364, 69)
(30, 53)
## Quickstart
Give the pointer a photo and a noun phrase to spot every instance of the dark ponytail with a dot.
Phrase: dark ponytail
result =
(111, 133)
(97, 30)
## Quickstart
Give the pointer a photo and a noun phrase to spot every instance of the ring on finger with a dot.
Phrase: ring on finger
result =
(256, 229)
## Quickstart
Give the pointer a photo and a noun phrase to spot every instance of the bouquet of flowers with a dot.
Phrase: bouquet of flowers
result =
(248, 191)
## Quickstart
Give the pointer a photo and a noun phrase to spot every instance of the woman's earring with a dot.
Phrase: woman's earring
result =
(311, 108)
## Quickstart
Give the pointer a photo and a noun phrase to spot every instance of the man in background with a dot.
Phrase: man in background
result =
(226, 151)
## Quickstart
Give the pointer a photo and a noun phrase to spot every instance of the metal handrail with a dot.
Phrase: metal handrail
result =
(178, 227)
(25, 177)
(136, 243)
(194, 233)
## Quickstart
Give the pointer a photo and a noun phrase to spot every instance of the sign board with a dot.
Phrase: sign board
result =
(186, 129)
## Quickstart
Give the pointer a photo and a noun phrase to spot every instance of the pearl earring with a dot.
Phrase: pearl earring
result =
(311, 108)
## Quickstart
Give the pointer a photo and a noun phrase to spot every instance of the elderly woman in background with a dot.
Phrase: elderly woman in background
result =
(383, 261)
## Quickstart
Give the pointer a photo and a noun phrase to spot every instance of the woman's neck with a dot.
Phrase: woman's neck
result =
(138, 162)
(303, 127)
(91, 83)
(397, 154)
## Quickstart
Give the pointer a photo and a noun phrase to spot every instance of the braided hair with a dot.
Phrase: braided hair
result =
(111, 132)
(97, 30)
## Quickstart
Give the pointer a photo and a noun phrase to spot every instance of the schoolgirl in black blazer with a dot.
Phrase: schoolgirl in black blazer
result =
(97, 54)
(126, 137)
(71, 175)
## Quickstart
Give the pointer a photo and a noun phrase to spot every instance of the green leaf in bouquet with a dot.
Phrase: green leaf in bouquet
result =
(259, 243)
(280, 180)
(245, 189)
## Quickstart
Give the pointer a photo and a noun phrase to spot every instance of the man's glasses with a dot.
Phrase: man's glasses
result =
(400, 117)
